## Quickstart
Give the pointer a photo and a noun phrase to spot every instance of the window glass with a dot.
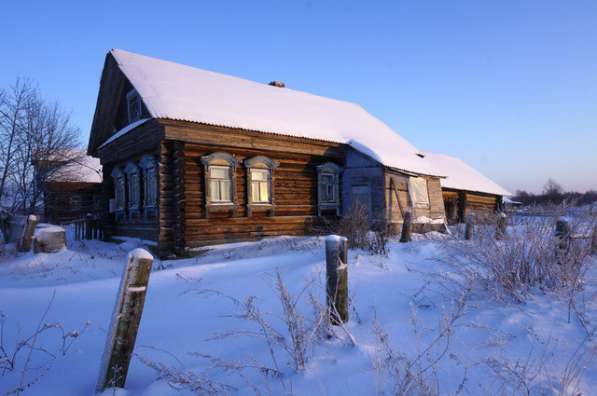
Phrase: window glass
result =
(134, 106)
(327, 187)
(219, 172)
(220, 184)
(260, 186)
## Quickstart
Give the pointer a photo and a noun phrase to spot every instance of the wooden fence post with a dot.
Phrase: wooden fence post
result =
(336, 257)
(469, 228)
(407, 228)
(26, 239)
(594, 241)
(563, 233)
(125, 321)
(501, 226)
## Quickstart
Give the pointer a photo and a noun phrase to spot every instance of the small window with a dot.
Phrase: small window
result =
(134, 187)
(119, 190)
(260, 185)
(150, 185)
(220, 184)
(417, 187)
(327, 187)
(133, 106)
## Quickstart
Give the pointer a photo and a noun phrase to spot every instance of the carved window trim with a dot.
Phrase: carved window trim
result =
(149, 171)
(119, 182)
(219, 159)
(325, 171)
(260, 163)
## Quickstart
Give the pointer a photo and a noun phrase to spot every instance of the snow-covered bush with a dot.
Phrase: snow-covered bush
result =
(526, 257)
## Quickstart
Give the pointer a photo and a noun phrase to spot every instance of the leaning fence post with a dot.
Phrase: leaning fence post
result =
(407, 228)
(26, 239)
(336, 258)
(469, 228)
(502, 223)
(125, 321)
(563, 233)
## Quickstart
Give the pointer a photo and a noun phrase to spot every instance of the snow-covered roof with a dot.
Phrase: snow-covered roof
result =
(78, 169)
(461, 176)
(174, 91)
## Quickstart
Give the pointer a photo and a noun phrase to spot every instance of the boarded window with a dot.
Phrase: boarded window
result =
(260, 185)
(417, 187)
(220, 184)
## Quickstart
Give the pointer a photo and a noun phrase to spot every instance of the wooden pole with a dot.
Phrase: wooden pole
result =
(407, 228)
(125, 321)
(336, 257)
(469, 228)
(26, 239)
(594, 241)
(501, 226)
(563, 233)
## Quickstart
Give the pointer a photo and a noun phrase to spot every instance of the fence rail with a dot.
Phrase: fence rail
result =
(89, 227)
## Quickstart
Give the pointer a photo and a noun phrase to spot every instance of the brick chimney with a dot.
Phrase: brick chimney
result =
(277, 84)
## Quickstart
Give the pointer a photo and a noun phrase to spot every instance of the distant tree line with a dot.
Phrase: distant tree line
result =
(553, 193)
(31, 129)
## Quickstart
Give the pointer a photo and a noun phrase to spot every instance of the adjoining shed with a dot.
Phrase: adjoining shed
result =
(192, 158)
(465, 190)
(71, 183)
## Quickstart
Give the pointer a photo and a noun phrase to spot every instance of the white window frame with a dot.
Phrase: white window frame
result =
(220, 181)
(418, 197)
(261, 164)
(133, 94)
(214, 160)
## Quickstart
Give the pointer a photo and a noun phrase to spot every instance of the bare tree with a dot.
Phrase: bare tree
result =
(32, 132)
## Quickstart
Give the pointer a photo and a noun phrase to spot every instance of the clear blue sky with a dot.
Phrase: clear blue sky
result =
(508, 86)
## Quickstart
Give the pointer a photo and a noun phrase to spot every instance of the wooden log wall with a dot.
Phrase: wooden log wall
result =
(479, 205)
(294, 186)
(398, 198)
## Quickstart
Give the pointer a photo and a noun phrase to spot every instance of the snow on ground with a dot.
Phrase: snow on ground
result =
(190, 305)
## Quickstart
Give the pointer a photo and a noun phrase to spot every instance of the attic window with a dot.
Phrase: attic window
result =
(133, 102)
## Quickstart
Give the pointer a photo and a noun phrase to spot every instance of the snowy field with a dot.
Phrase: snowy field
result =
(215, 324)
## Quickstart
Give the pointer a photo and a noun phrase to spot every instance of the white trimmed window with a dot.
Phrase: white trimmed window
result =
(220, 184)
(133, 102)
(220, 188)
(260, 186)
(328, 187)
(260, 172)
(417, 188)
